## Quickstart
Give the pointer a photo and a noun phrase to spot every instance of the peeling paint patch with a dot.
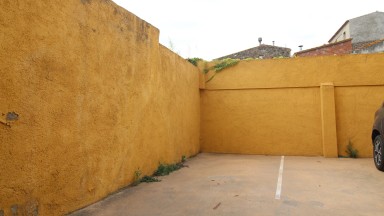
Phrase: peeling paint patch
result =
(12, 116)
(6, 119)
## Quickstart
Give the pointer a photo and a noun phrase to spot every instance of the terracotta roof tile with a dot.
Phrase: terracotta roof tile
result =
(325, 45)
(368, 44)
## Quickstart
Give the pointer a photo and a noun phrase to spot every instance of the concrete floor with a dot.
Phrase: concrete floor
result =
(224, 184)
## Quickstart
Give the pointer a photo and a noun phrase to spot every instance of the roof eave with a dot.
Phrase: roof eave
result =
(345, 23)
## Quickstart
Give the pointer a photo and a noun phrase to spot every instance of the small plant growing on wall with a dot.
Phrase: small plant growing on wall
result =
(221, 65)
(205, 69)
(162, 170)
(194, 61)
(166, 169)
(225, 63)
(136, 177)
(148, 179)
(351, 151)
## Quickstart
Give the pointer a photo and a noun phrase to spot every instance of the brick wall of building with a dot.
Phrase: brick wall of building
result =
(338, 48)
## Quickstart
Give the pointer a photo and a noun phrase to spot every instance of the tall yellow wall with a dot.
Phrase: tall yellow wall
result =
(88, 96)
(97, 98)
(278, 106)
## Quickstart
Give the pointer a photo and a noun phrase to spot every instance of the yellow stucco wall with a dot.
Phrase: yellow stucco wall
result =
(328, 120)
(276, 106)
(92, 97)
(262, 121)
(344, 70)
(97, 98)
(355, 109)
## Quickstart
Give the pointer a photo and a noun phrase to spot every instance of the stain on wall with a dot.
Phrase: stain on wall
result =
(7, 118)
(95, 96)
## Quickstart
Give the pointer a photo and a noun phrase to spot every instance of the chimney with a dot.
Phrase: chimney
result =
(260, 39)
(273, 43)
(301, 47)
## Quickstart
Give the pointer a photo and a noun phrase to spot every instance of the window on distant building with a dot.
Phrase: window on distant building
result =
(344, 36)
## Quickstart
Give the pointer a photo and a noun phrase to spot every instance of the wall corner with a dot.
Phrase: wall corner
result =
(201, 80)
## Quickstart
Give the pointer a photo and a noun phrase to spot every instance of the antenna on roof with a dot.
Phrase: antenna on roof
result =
(260, 39)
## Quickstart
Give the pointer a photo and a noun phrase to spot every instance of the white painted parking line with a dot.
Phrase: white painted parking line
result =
(280, 179)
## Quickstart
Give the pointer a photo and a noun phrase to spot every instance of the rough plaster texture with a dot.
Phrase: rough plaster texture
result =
(262, 121)
(273, 106)
(97, 98)
(355, 109)
(88, 96)
(328, 120)
(345, 70)
(368, 27)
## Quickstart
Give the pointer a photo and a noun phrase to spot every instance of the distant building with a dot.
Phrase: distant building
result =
(369, 27)
(364, 33)
(262, 51)
(337, 48)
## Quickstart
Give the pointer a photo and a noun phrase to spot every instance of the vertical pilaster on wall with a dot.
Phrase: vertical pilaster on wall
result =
(328, 119)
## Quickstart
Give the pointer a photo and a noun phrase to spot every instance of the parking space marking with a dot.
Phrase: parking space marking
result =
(280, 179)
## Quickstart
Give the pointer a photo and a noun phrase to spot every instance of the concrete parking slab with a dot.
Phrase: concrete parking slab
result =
(225, 184)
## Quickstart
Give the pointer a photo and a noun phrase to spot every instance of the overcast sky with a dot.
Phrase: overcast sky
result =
(213, 28)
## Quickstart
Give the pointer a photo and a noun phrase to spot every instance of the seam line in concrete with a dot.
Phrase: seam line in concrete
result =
(280, 179)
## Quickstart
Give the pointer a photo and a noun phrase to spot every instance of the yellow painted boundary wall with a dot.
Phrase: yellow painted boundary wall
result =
(312, 106)
(87, 97)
